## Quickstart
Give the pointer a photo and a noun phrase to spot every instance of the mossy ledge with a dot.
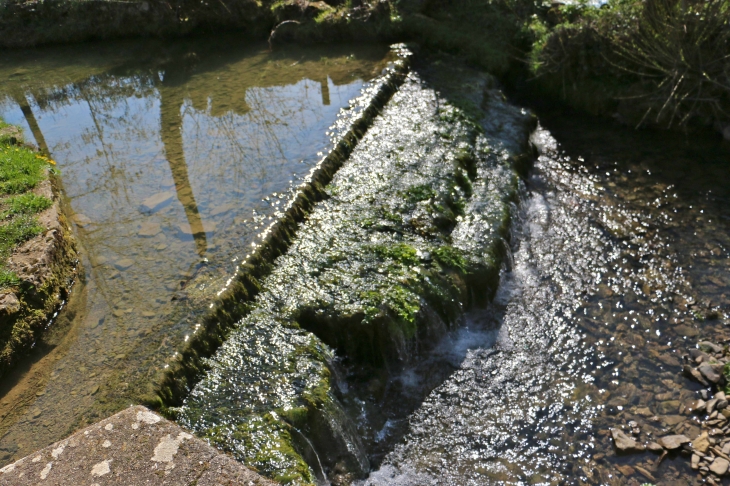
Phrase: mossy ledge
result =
(40, 268)
(233, 302)
(412, 233)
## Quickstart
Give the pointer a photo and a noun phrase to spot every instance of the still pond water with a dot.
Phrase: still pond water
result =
(171, 156)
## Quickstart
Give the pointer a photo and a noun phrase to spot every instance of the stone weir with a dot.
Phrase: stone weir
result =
(403, 238)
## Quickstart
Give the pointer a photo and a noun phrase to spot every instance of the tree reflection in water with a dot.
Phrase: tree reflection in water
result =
(166, 151)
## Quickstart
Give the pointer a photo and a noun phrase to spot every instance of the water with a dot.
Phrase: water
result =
(172, 157)
(618, 232)
(620, 245)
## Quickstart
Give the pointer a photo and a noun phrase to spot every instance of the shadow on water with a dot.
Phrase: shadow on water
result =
(173, 156)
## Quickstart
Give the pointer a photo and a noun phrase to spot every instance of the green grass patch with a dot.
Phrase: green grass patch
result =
(21, 170)
(18, 230)
(28, 203)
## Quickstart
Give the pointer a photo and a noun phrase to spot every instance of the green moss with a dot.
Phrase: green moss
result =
(399, 252)
(451, 257)
(419, 193)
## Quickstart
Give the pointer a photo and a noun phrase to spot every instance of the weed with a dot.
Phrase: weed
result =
(28, 203)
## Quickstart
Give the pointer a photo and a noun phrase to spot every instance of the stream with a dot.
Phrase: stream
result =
(172, 159)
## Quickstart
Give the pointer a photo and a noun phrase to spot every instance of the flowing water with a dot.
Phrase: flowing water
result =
(620, 234)
(172, 156)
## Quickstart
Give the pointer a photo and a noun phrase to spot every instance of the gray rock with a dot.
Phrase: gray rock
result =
(672, 442)
(9, 304)
(709, 347)
(719, 466)
(135, 446)
(692, 373)
(624, 443)
(721, 405)
(709, 373)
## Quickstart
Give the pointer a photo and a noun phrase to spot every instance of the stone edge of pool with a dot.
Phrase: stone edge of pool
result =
(133, 447)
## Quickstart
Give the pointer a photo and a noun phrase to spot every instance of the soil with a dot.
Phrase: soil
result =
(46, 267)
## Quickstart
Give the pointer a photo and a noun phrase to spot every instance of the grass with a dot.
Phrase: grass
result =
(655, 62)
(21, 170)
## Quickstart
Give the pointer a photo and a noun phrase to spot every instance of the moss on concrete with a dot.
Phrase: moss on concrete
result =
(376, 272)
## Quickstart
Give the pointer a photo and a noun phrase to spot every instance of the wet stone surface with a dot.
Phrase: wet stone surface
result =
(135, 447)
(620, 241)
(414, 221)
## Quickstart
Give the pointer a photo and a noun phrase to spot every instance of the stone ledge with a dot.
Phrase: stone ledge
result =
(134, 447)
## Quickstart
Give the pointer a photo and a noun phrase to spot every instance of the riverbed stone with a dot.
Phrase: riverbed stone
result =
(708, 371)
(149, 229)
(719, 466)
(157, 201)
(624, 443)
(135, 447)
(701, 443)
(672, 442)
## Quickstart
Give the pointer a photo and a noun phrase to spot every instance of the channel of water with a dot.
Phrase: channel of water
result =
(173, 157)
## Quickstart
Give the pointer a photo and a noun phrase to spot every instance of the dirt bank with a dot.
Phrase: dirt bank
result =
(40, 267)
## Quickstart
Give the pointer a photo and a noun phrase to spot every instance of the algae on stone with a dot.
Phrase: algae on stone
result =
(383, 266)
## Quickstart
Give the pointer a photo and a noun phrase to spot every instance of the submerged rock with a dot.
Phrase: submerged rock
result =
(410, 235)
(624, 443)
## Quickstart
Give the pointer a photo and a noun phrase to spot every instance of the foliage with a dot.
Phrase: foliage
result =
(21, 170)
(664, 62)
(28, 203)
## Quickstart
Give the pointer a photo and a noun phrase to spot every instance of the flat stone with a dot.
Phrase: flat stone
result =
(149, 229)
(81, 219)
(123, 264)
(701, 443)
(695, 462)
(709, 347)
(669, 406)
(672, 419)
(157, 202)
(654, 447)
(186, 229)
(624, 443)
(134, 447)
(719, 466)
(709, 373)
(672, 442)
(685, 330)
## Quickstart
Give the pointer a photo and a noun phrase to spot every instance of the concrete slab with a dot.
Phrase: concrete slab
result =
(134, 447)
